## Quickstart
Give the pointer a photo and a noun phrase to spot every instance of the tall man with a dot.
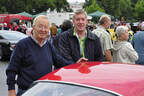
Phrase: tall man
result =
(80, 42)
(32, 58)
(106, 43)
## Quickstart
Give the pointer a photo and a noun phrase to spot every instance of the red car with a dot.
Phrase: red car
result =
(91, 79)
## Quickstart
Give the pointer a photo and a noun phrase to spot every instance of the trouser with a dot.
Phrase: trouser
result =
(20, 92)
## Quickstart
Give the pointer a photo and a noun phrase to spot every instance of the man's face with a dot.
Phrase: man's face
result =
(14, 24)
(80, 22)
(108, 23)
(41, 29)
(125, 36)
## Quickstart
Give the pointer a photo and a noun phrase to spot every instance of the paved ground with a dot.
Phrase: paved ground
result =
(3, 86)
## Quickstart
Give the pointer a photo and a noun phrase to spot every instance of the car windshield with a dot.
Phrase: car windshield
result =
(62, 89)
(14, 35)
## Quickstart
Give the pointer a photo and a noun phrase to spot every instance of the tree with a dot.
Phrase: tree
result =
(33, 6)
(110, 7)
(87, 3)
(93, 7)
(3, 10)
(125, 7)
(139, 10)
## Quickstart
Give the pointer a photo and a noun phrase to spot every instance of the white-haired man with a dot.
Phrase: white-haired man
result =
(32, 58)
(106, 43)
(123, 51)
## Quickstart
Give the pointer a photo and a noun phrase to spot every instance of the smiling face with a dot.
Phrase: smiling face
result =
(80, 21)
(41, 29)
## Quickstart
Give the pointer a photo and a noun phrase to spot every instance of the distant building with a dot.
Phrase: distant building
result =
(76, 5)
(59, 17)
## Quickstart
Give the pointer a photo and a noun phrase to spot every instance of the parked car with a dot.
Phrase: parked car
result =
(8, 39)
(91, 79)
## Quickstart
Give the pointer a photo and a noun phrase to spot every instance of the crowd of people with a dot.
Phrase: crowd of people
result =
(72, 42)
(14, 26)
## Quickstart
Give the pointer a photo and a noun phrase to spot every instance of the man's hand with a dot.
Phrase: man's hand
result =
(108, 55)
(82, 60)
(11, 93)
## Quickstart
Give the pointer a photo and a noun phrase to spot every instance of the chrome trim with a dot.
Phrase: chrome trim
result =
(77, 84)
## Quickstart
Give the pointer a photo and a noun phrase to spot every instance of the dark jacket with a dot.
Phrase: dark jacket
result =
(69, 47)
(30, 62)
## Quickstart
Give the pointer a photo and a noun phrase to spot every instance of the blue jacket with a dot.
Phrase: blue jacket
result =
(138, 44)
(30, 62)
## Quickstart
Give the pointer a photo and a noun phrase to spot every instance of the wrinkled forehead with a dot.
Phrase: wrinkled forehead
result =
(80, 15)
(41, 20)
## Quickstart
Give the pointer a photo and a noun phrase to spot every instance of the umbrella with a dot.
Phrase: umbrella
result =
(25, 14)
(42, 13)
(99, 14)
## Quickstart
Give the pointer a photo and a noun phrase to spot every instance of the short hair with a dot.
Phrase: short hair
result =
(120, 30)
(36, 19)
(67, 24)
(80, 11)
(103, 19)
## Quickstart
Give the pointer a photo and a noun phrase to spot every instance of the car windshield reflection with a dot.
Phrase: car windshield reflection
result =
(14, 35)
(58, 89)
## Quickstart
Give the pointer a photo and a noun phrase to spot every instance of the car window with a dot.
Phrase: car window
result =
(57, 89)
(13, 36)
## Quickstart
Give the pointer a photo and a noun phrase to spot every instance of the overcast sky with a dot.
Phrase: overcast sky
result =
(76, 0)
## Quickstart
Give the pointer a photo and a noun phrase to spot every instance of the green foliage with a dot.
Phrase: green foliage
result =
(3, 10)
(125, 7)
(33, 6)
(87, 3)
(139, 10)
(93, 7)
(116, 8)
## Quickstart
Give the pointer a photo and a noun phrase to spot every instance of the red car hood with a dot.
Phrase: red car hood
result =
(125, 79)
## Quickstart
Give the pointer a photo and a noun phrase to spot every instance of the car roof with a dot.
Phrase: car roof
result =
(125, 79)
(8, 31)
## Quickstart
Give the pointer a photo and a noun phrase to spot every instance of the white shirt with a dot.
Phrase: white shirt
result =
(105, 38)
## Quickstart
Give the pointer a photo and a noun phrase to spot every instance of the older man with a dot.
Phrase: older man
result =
(79, 42)
(106, 43)
(32, 58)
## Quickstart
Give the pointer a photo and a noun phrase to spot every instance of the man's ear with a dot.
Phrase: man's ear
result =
(87, 21)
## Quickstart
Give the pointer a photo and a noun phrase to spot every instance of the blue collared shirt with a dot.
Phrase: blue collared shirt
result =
(37, 41)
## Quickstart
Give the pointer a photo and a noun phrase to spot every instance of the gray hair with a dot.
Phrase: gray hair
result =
(104, 18)
(80, 11)
(121, 30)
(37, 18)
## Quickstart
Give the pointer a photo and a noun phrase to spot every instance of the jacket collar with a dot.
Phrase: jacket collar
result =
(90, 35)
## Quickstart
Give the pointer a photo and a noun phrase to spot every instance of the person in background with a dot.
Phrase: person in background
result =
(23, 27)
(53, 30)
(131, 33)
(5, 27)
(59, 30)
(32, 58)
(123, 51)
(101, 32)
(79, 42)
(138, 44)
(14, 26)
(66, 25)
(1, 26)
